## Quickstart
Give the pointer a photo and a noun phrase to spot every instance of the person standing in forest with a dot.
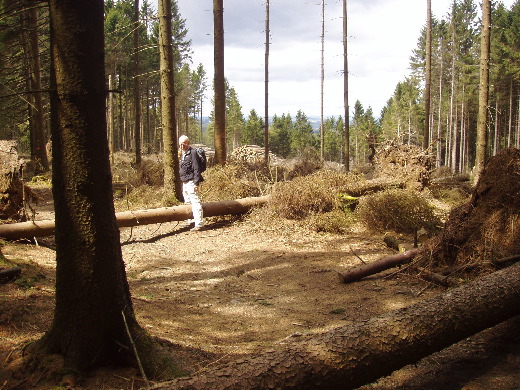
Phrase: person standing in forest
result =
(191, 176)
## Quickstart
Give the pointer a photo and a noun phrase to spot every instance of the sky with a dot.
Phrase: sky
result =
(381, 37)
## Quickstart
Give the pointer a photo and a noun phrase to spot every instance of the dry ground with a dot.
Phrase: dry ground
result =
(236, 288)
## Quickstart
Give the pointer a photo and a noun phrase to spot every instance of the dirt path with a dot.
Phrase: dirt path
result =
(236, 288)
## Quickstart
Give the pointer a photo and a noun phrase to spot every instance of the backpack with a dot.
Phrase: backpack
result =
(202, 158)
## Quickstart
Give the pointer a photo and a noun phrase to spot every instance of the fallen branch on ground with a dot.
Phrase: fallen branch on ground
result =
(374, 267)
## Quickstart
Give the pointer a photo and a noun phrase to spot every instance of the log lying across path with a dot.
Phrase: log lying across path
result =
(350, 356)
(140, 217)
(374, 267)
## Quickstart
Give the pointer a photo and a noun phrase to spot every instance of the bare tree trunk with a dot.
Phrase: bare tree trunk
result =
(427, 93)
(266, 80)
(348, 357)
(462, 131)
(137, 89)
(346, 155)
(322, 127)
(110, 113)
(92, 294)
(172, 182)
(480, 158)
(451, 123)
(219, 83)
(439, 114)
(496, 138)
(510, 124)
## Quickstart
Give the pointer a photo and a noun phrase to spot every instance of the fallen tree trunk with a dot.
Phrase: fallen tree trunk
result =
(351, 356)
(140, 217)
(374, 267)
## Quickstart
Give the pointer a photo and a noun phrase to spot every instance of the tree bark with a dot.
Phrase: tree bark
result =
(350, 356)
(480, 157)
(322, 81)
(346, 155)
(219, 82)
(378, 266)
(137, 89)
(92, 294)
(266, 85)
(172, 181)
(14, 231)
(428, 82)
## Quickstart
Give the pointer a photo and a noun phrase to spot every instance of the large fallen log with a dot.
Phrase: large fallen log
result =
(353, 355)
(139, 217)
(374, 267)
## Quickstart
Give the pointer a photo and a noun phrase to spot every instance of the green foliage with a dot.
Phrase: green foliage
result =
(364, 132)
(302, 135)
(334, 133)
(254, 129)
(402, 211)
(403, 116)
(280, 135)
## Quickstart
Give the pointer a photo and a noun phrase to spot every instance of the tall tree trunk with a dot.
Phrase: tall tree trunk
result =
(219, 82)
(495, 129)
(92, 294)
(110, 113)
(266, 81)
(439, 114)
(149, 146)
(346, 155)
(509, 141)
(37, 128)
(322, 122)
(480, 157)
(451, 122)
(462, 131)
(172, 182)
(348, 357)
(427, 93)
(137, 89)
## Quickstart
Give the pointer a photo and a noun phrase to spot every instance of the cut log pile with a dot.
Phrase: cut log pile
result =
(406, 163)
(251, 154)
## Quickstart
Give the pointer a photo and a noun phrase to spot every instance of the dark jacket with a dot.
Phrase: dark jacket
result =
(190, 167)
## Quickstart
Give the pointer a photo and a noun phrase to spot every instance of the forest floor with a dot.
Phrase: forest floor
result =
(238, 287)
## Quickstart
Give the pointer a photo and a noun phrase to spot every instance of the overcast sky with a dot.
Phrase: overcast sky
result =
(381, 37)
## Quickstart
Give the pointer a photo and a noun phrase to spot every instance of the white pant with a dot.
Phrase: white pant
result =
(192, 197)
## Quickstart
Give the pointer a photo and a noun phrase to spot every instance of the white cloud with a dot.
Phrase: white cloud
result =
(382, 35)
